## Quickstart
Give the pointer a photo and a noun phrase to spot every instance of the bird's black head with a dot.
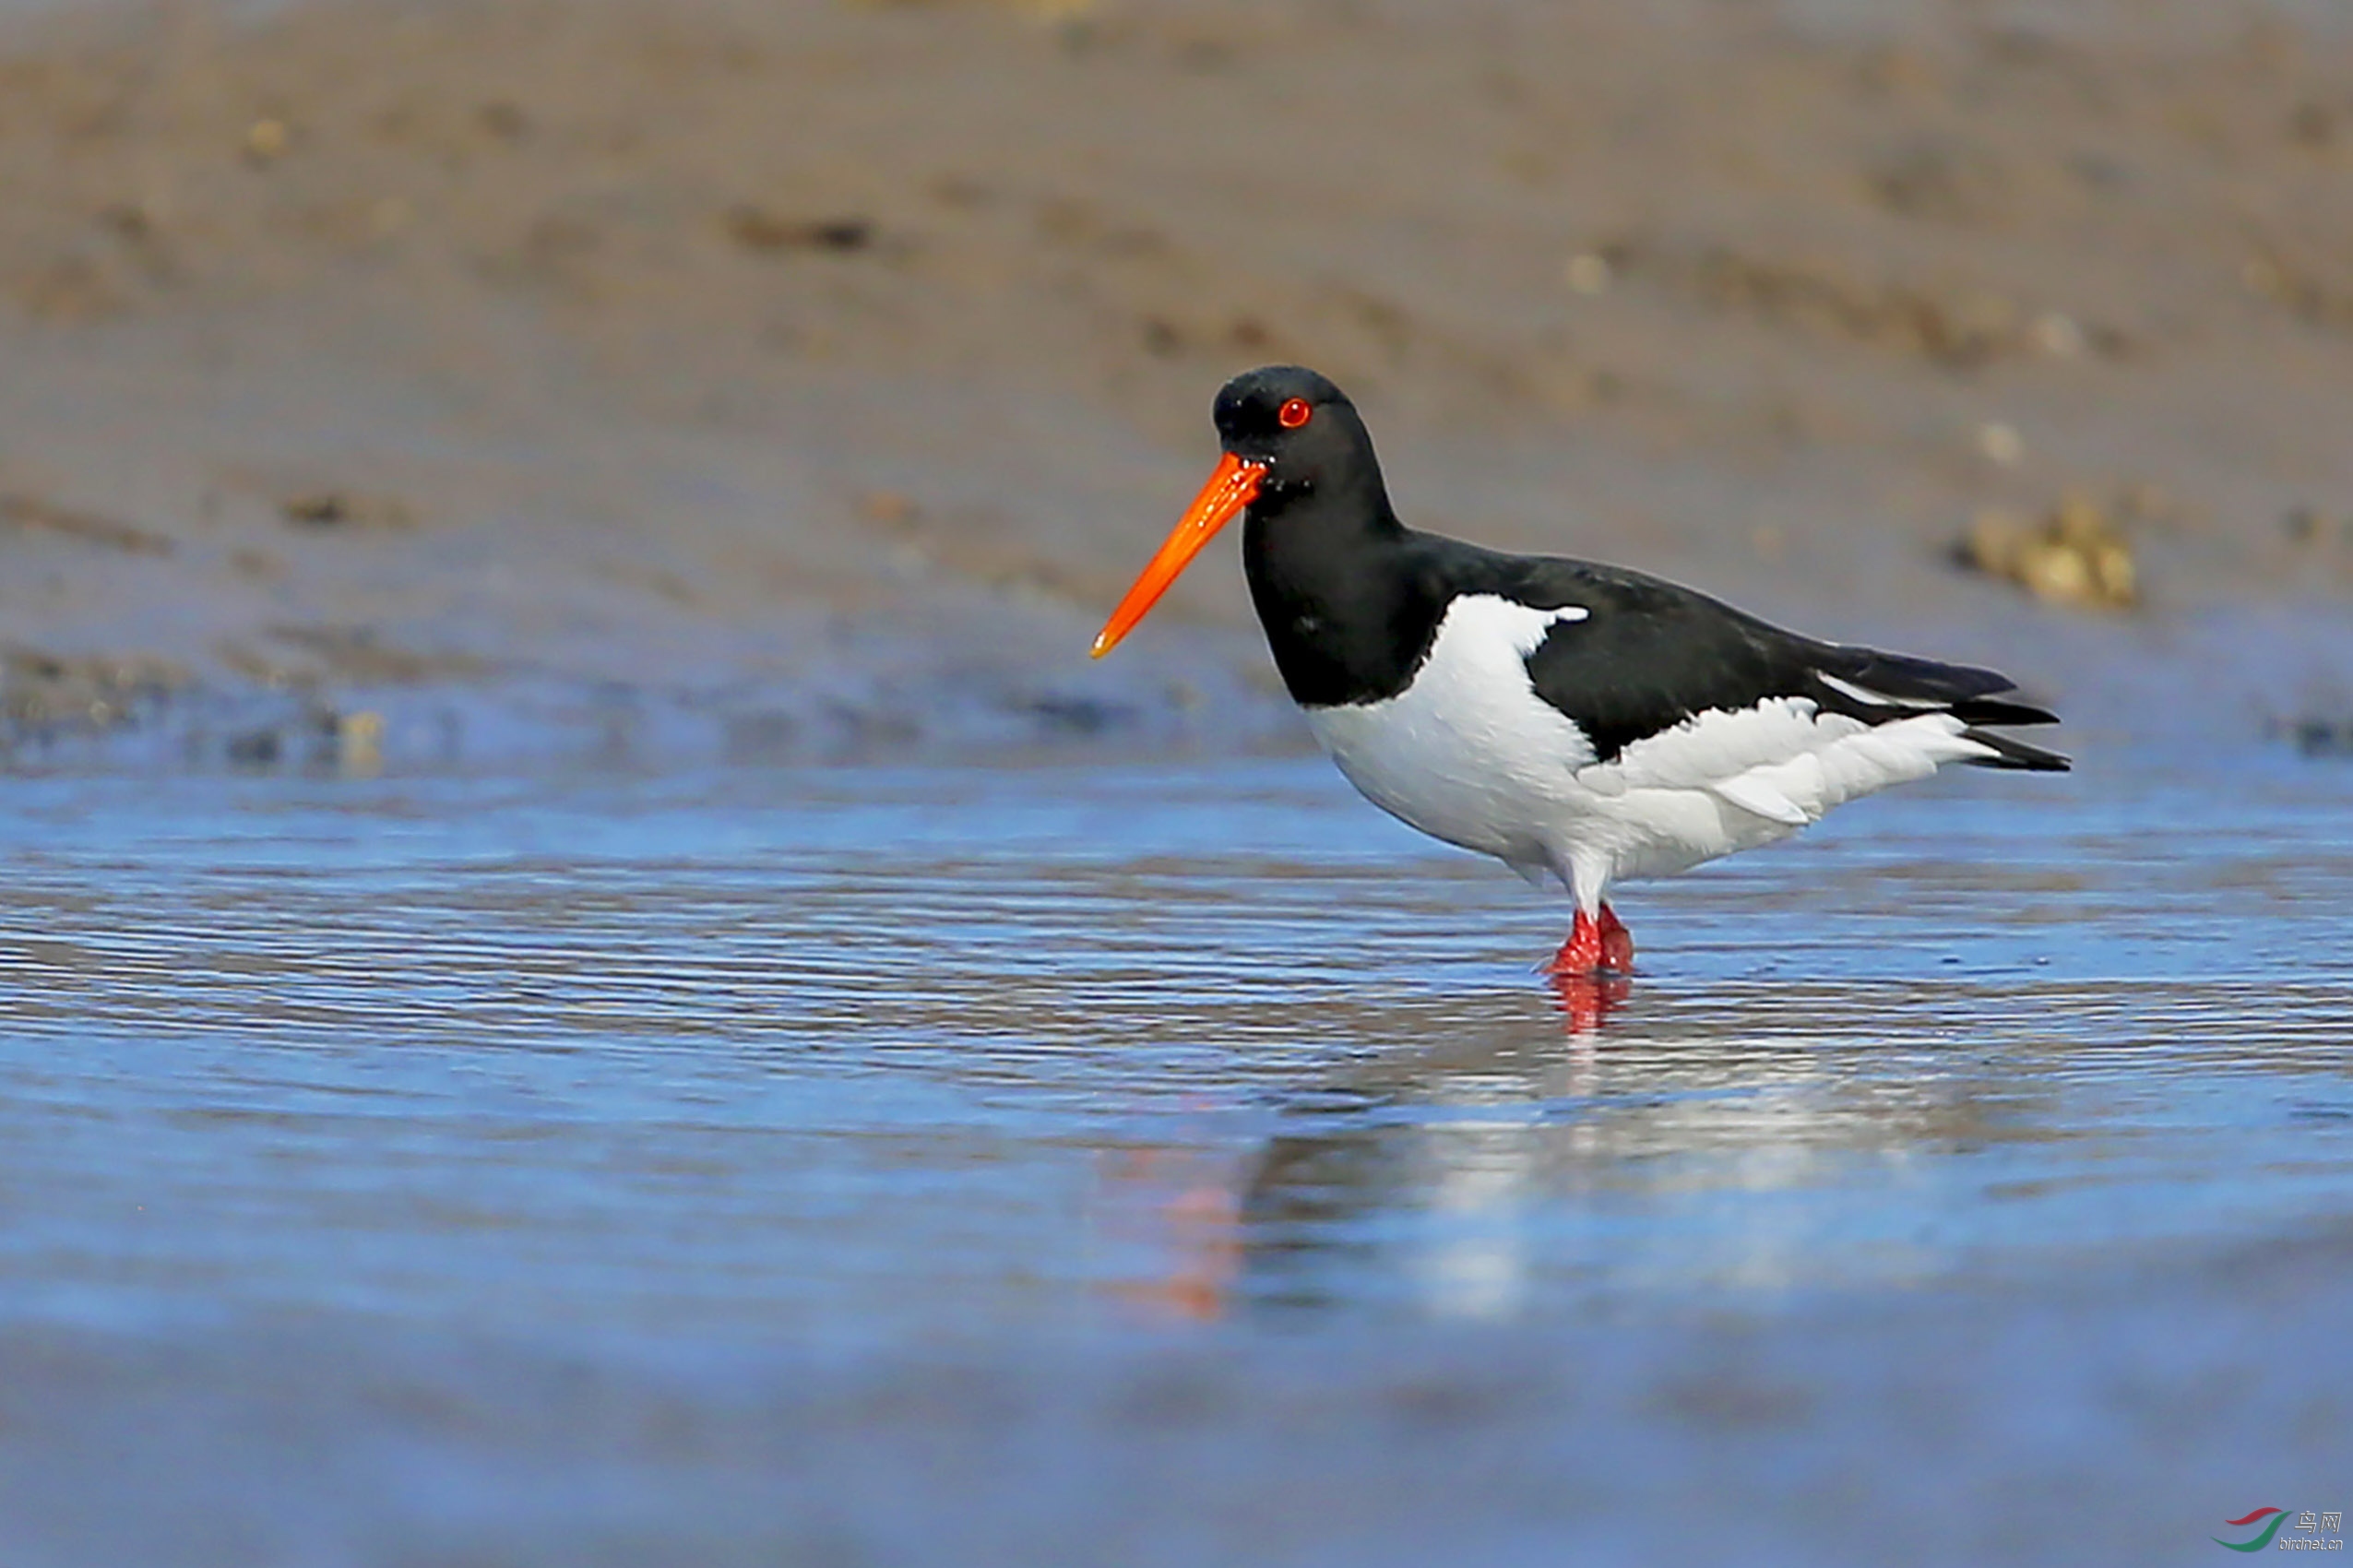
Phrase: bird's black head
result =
(1296, 457)
(1301, 428)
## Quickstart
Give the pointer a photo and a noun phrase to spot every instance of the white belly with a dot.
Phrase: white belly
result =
(1470, 754)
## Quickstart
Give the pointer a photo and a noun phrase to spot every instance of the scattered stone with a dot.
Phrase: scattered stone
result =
(256, 748)
(1587, 272)
(358, 655)
(346, 509)
(2315, 735)
(357, 740)
(2001, 444)
(2305, 289)
(33, 515)
(2059, 336)
(2309, 525)
(756, 229)
(1058, 715)
(889, 509)
(43, 694)
(266, 141)
(2075, 555)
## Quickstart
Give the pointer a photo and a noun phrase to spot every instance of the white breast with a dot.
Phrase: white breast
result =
(1470, 754)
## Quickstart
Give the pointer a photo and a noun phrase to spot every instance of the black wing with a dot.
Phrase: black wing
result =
(1651, 655)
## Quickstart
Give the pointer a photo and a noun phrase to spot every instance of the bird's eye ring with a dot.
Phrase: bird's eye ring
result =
(1294, 413)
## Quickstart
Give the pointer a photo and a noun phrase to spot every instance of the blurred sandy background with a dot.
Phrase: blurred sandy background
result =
(806, 378)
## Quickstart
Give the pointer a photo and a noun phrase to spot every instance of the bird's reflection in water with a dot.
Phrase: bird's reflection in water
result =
(1587, 1001)
(1479, 1152)
(1181, 1209)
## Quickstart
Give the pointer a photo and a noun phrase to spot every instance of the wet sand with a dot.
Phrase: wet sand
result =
(804, 380)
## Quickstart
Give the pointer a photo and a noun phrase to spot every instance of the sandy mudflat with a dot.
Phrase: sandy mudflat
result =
(807, 378)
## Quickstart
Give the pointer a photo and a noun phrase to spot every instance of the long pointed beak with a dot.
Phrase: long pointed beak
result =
(1232, 488)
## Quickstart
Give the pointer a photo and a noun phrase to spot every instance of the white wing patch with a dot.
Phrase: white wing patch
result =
(1535, 624)
(1876, 699)
(1752, 794)
(1710, 748)
(1784, 760)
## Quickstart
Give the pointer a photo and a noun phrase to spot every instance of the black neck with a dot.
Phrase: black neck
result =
(1348, 609)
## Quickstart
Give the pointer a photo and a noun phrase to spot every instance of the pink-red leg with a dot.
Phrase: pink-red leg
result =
(1616, 943)
(1581, 954)
(1596, 946)
(1588, 972)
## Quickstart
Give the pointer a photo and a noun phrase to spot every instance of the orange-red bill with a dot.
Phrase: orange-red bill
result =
(1232, 488)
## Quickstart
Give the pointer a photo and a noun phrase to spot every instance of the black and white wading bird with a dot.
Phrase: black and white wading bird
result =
(1578, 722)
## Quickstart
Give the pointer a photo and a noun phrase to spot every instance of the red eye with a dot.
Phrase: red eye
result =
(1294, 414)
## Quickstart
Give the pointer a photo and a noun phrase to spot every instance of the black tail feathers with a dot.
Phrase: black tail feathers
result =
(1879, 687)
(2015, 755)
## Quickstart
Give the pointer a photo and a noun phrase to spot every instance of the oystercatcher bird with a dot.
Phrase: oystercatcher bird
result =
(1579, 722)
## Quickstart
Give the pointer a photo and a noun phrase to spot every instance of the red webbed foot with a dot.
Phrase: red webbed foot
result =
(1596, 946)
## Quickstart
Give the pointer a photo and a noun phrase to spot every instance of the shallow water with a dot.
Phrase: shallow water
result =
(857, 1052)
(846, 1061)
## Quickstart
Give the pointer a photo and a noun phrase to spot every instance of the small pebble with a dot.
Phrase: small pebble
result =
(358, 743)
(1588, 272)
(267, 140)
(2001, 444)
(889, 508)
(2074, 555)
(325, 509)
(2309, 525)
(756, 229)
(2058, 336)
